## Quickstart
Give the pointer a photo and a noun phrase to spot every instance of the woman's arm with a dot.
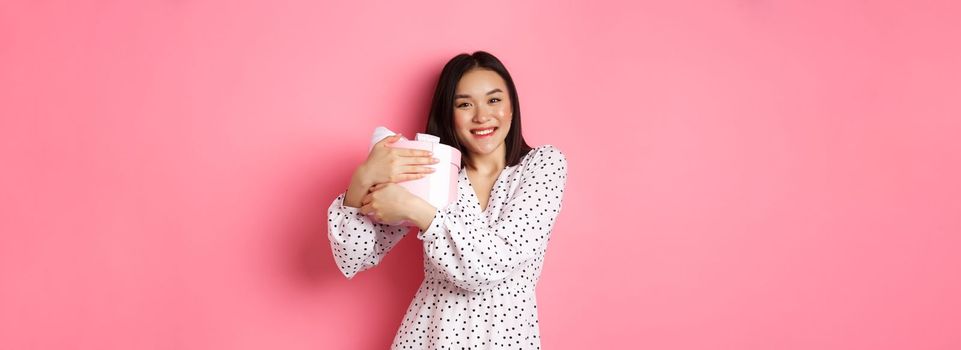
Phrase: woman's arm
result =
(357, 242)
(360, 184)
(475, 255)
(421, 214)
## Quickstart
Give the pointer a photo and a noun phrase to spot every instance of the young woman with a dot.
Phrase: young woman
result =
(484, 252)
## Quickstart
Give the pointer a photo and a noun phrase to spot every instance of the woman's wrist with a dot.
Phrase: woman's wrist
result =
(359, 185)
(360, 177)
(421, 213)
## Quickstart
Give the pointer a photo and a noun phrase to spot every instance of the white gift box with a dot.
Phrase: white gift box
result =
(438, 188)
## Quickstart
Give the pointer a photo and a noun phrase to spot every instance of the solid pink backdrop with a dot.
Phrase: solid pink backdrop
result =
(743, 174)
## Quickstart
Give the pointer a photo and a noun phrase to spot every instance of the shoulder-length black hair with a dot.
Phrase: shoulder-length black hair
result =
(440, 121)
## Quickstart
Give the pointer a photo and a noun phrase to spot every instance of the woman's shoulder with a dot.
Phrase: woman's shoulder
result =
(544, 158)
(546, 153)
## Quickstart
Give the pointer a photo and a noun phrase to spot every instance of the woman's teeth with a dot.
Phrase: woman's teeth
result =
(483, 132)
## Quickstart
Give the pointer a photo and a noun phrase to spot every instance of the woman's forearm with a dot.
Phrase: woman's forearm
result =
(421, 213)
(359, 185)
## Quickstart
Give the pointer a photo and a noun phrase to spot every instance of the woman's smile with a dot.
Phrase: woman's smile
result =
(483, 132)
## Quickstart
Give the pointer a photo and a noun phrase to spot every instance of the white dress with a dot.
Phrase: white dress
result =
(480, 268)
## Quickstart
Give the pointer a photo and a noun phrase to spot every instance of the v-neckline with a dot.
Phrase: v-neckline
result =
(470, 186)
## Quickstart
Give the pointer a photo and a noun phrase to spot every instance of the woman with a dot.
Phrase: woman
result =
(483, 253)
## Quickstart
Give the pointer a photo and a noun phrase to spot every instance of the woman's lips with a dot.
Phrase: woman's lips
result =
(485, 132)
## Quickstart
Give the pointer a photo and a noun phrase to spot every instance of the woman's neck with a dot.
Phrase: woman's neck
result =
(488, 164)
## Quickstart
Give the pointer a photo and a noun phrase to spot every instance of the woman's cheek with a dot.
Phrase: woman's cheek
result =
(504, 115)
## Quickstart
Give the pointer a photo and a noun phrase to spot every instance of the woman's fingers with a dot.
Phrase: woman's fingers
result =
(389, 139)
(385, 143)
(369, 211)
(408, 152)
(416, 160)
(410, 169)
(420, 160)
(406, 177)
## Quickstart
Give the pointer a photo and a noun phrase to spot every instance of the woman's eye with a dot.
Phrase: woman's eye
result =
(495, 100)
(462, 105)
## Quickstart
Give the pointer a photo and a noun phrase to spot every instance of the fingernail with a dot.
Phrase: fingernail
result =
(435, 160)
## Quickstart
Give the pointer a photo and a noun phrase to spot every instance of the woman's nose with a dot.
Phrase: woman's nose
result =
(481, 117)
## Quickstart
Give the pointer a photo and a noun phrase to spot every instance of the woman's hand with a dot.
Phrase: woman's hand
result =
(393, 204)
(388, 164)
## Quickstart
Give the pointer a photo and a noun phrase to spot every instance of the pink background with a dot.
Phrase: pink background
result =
(743, 174)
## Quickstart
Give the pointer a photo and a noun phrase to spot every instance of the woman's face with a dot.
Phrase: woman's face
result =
(482, 111)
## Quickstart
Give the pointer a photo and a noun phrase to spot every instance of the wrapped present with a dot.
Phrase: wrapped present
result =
(438, 188)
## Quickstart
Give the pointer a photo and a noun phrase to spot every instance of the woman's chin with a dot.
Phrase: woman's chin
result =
(484, 149)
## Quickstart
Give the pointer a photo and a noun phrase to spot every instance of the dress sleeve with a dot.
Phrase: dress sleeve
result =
(357, 242)
(475, 255)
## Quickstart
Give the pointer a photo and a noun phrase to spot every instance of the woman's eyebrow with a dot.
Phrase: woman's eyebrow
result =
(468, 96)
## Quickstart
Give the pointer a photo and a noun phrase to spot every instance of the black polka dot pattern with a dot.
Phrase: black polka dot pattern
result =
(480, 267)
(357, 242)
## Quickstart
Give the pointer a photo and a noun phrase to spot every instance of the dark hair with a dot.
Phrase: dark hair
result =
(440, 121)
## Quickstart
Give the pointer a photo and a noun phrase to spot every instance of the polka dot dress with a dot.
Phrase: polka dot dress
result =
(480, 266)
